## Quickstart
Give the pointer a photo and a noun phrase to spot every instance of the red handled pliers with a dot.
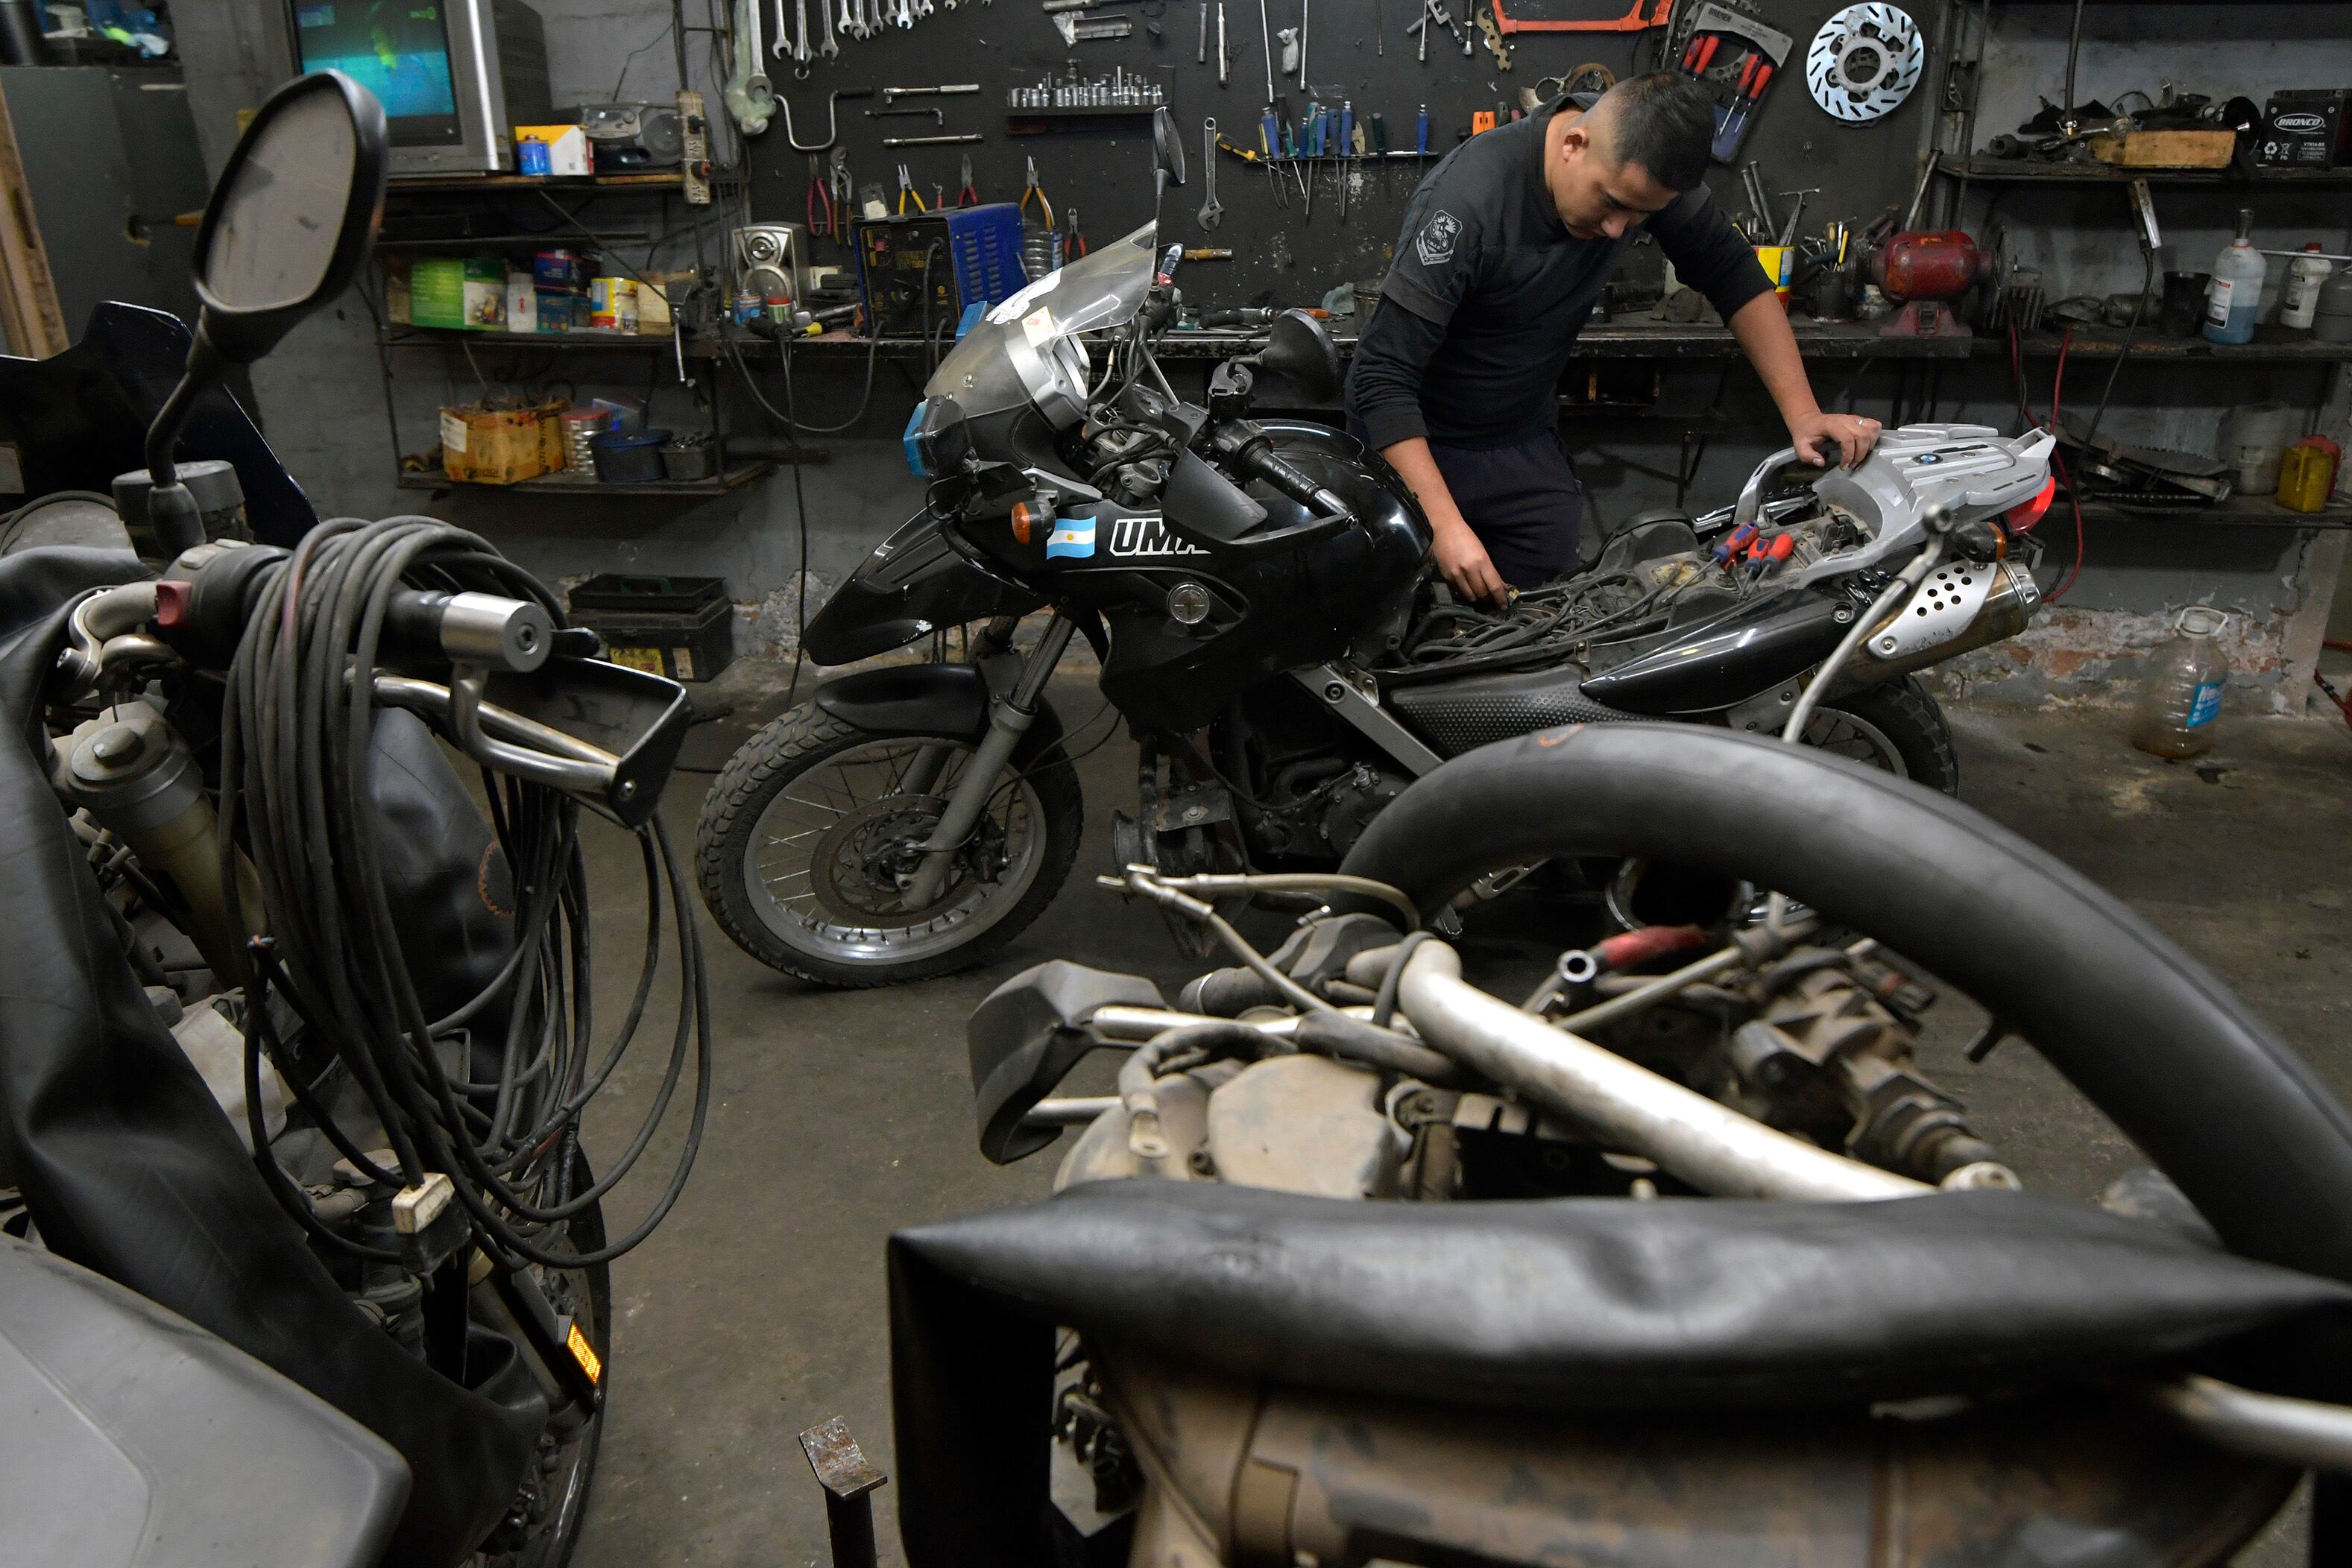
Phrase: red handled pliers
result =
(820, 199)
(968, 196)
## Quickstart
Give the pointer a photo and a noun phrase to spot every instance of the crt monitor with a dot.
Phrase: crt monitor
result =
(454, 76)
(397, 50)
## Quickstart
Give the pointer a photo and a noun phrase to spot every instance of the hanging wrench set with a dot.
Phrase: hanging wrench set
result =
(1086, 75)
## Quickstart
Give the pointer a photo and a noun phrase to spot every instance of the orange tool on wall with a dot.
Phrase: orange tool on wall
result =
(1644, 14)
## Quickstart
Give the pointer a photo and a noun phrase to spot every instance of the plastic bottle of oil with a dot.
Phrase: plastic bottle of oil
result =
(2181, 687)
(2235, 296)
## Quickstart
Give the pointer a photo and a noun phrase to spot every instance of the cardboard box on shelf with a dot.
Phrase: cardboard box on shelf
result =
(522, 303)
(567, 147)
(501, 445)
(459, 293)
(395, 290)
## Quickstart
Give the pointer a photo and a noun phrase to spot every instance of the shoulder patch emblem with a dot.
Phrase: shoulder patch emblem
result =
(1434, 244)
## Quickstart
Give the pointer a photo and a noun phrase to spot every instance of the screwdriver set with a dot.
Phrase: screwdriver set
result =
(1736, 56)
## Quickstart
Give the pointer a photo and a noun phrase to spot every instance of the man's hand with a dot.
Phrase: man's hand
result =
(1819, 437)
(1466, 563)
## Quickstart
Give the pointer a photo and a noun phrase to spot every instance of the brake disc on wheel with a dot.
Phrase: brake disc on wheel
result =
(1865, 62)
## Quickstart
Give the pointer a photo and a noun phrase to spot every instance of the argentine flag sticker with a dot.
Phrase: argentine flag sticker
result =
(1071, 537)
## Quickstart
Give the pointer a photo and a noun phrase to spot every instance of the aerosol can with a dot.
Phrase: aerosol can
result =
(2181, 689)
(2236, 295)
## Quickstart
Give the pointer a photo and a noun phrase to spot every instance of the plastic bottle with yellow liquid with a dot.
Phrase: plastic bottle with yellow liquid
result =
(2181, 687)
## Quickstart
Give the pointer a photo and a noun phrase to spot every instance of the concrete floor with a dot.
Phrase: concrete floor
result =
(756, 1310)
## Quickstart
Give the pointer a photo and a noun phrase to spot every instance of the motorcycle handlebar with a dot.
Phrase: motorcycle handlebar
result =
(1260, 460)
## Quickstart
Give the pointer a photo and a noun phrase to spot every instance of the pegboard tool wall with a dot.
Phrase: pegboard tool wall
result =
(1284, 256)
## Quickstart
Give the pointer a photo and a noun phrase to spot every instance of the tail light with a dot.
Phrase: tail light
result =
(2025, 514)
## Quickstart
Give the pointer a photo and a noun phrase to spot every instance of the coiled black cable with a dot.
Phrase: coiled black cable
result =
(296, 725)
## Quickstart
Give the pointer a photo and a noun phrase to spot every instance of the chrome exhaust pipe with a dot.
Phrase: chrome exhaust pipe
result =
(1961, 605)
(1627, 1107)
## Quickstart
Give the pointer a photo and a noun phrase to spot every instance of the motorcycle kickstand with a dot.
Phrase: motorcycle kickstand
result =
(1013, 713)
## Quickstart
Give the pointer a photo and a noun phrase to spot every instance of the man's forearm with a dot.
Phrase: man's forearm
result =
(1418, 468)
(1761, 326)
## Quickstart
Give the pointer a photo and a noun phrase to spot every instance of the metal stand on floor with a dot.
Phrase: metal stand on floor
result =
(849, 1482)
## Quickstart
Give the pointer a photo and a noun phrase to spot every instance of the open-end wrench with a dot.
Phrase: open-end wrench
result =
(831, 48)
(757, 88)
(848, 22)
(1213, 211)
(906, 16)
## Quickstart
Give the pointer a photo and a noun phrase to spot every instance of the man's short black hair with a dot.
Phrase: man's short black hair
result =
(1666, 122)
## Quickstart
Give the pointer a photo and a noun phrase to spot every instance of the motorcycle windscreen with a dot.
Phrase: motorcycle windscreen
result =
(78, 418)
(1025, 349)
(915, 582)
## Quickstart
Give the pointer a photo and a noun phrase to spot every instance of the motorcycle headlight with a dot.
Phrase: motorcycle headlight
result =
(935, 440)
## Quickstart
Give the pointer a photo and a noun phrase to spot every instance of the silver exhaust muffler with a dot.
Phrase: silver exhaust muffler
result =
(1962, 605)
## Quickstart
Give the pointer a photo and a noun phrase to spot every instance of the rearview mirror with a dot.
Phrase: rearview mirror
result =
(290, 221)
(293, 215)
(1167, 148)
(1301, 352)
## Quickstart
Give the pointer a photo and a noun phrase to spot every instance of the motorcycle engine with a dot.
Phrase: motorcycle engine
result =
(1819, 1042)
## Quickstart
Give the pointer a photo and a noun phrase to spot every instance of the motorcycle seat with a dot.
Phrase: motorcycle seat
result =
(1607, 1304)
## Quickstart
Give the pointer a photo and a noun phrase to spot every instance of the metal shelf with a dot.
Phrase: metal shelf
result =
(567, 482)
(2249, 511)
(649, 180)
(2021, 172)
(592, 340)
(2270, 346)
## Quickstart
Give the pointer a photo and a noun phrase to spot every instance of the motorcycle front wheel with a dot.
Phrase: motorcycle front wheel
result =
(808, 840)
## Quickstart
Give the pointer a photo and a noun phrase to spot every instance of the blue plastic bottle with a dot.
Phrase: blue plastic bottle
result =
(2235, 296)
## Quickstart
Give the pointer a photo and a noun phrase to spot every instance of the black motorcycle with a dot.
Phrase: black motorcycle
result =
(1259, 593)
(295, 1041)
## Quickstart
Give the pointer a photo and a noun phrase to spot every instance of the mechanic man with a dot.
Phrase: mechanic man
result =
(1505, 249)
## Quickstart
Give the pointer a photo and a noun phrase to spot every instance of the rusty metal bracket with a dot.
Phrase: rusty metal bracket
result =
(1644, 14)
(848, 1481)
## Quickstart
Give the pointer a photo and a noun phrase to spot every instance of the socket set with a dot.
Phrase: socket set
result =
(1120, 89)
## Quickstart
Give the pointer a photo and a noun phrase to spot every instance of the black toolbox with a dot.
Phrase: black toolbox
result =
(682, 627)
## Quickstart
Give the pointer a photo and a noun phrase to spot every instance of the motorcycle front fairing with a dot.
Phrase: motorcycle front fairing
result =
(913, 583)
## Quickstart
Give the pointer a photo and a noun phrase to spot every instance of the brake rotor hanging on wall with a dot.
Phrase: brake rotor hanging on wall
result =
(1864, 61)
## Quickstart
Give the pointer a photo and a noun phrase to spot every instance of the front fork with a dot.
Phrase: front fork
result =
(1010, 719)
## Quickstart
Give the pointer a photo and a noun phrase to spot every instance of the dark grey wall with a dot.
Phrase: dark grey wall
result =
(323, 407)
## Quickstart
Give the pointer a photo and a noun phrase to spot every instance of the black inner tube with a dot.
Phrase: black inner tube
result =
(2160, 1045)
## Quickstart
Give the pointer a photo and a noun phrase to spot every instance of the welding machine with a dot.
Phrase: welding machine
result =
(920, 271)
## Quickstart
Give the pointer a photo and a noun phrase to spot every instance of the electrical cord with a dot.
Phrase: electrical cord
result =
(295, 748)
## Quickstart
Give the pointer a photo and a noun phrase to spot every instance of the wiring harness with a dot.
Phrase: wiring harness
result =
(499, 1116)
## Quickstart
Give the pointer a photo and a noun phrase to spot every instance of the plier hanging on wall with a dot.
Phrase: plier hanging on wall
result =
(1074, 244)
(906, 192)
(820, 201)
(844, 192)
(968, 196)
(1033, 189)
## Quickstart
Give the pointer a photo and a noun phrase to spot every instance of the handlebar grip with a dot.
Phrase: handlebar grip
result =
(1270, 466)
(485, 629)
